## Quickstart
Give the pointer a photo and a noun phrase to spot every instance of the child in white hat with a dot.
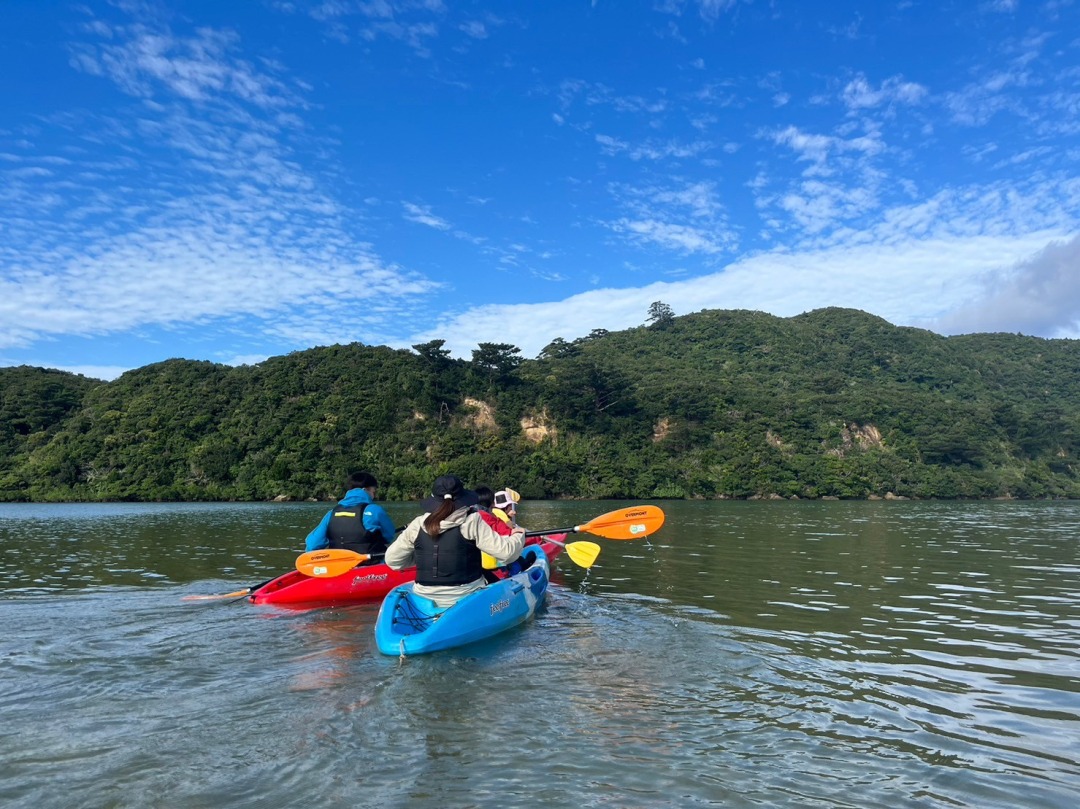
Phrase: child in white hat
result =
(505, 505)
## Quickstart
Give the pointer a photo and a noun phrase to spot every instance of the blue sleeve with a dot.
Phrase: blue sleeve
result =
(317, 539)
(376, 519)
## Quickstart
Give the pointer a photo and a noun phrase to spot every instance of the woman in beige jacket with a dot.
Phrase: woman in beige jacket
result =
(445, 544)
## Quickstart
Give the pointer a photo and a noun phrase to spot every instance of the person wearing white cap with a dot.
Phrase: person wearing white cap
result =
(505, 505)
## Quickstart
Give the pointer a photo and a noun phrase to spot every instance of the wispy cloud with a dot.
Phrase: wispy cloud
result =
(708, 9)
(188, 208)
(666, 234)
(840, 182)
(422, 214)
(198, 274)
(416, 23)
(652, 149)
(596, 94)
(1004, 88)
(816, 149)
(475, 29)
(686, 218)
(711, 9)
(858, 94)
(199, 68)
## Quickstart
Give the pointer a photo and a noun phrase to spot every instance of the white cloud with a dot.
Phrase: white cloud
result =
(914, 282)
(817, 148)
(330, 9)
(415, 35)
(413, 22)
(475, 29)
(859, 94)
(652, 149)
(197, 275)
(686, 217)
(207, 218)
(713, 9)
(665, 234)
(422, 214)
(1009, 86)
(199, 68)
(817, 205)
(600, 95)
(700, 198)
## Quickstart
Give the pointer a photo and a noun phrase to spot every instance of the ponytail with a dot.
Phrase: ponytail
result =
(432, 524)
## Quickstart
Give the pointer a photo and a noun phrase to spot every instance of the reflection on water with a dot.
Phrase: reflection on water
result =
(57, 548)
(777, 654)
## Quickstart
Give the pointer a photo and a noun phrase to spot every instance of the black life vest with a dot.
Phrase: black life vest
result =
(450, 559)
(346, 530)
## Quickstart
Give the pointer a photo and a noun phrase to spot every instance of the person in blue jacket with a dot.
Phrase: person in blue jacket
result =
(355, 523)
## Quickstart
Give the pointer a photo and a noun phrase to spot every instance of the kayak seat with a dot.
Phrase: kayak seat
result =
(523, 562)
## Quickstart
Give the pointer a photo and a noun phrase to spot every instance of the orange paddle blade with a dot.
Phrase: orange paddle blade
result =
(326, 564)
(636, 522)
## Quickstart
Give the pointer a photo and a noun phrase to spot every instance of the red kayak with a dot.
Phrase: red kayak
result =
(363, 583)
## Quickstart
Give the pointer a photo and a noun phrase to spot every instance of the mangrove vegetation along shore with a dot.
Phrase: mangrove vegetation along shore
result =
(734, 404)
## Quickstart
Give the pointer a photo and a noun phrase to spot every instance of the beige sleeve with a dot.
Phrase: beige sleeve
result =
(399, 554)
(505, 549)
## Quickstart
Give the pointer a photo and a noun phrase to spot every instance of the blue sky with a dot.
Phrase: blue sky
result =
(232, 181)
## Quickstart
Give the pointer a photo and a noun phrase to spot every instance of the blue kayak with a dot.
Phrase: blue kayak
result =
(409, 624)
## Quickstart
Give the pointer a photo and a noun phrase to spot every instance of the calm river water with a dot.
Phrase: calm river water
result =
(889, 654)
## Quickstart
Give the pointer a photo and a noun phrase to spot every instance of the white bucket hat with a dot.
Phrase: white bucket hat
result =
(506, 499)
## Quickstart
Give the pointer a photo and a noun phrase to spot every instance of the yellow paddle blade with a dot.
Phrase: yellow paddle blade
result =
(488, 561)
(326, 564)
(583, 554)
(636, 522)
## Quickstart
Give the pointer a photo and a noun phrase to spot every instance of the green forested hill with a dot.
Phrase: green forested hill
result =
(834, 402)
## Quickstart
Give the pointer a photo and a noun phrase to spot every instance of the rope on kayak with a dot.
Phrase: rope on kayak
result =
(408, 614)
(411, 616)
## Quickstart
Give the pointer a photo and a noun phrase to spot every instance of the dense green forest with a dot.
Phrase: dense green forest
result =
(832, 403)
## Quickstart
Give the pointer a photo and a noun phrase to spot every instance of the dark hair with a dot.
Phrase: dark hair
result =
(432, 525)
(486, 497)
(360, 480)
(448, 494)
